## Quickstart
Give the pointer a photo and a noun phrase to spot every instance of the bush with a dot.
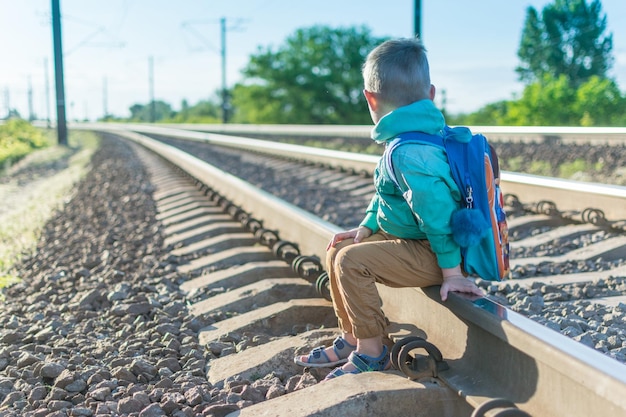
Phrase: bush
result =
(570, 169)
(17, 139)
(543, 168)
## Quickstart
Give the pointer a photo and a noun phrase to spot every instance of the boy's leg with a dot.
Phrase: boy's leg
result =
(353, 270)
(338, 304)
(385, 259)
(335, 288)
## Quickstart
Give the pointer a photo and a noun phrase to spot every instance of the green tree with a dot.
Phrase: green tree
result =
(314, 77)
(599, 103)
(143, 112)
(492, 114)
(255, 104)
(205, 111)
(184, 110)
(552, 102)
(565, 56)
(568, 39)
(533, 48)
(544, 103)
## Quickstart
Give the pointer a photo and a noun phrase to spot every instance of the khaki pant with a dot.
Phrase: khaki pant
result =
(353, 270)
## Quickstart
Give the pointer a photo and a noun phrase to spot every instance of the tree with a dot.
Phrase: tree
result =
(546, 102)
(568, 39)
(143, 112)
(532, 48)
(205, 111)
(552, 102)
(599, 103)
(492, 114)
(314, 77)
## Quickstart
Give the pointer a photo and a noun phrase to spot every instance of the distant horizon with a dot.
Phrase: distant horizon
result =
(472, 48)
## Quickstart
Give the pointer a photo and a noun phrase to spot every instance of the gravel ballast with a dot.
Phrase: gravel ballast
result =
(98, 326)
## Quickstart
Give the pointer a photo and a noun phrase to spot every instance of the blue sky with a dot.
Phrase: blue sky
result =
(472, 46)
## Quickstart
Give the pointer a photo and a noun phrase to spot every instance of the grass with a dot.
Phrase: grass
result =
(24, 210)
(514, 164)
(540, 168)
(570, 169)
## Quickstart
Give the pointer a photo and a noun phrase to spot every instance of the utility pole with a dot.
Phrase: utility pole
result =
(105, 103)
(225, 104)
(45, 70)
(151, 80)
(58, 72)
(31, 111)
(417, 22)
(7, 101)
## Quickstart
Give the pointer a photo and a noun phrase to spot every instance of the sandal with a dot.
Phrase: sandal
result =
(319, 359)
(362, 363)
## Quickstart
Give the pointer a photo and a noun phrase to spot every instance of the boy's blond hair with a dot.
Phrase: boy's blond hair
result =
(397, 71)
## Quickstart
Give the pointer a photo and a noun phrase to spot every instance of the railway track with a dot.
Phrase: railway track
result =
(492, 352)
(251, 277)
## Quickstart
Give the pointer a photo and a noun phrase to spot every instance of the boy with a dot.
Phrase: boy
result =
(399, 243)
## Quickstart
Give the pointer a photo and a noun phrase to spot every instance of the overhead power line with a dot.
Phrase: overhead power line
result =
(223, 29)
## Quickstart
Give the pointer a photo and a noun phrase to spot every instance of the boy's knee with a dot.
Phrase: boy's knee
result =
(349, 263)
(332, 253)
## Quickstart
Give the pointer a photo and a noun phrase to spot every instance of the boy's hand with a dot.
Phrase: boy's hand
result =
(458, 283)
(357, 234)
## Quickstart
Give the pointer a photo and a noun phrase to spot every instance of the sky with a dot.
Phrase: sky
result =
(109, 47)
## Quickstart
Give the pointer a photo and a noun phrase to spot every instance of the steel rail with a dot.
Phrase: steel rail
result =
(566, 134)
(609, 201)
(492, 351)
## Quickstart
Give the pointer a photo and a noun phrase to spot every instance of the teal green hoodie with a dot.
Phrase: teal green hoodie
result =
(424, 177)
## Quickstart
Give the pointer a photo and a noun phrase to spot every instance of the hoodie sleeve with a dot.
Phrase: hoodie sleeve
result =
(370, 221)
(424, 177)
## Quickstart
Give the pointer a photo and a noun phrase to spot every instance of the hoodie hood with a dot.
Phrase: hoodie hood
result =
(420, 116)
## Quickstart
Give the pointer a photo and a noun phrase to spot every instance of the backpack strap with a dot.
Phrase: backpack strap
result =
(404, 138)
(494, 162)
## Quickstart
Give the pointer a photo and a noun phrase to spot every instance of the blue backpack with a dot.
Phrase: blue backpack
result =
(479, 226)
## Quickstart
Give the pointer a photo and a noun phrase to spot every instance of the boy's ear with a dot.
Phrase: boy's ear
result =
(372, 100)
(432, 92)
